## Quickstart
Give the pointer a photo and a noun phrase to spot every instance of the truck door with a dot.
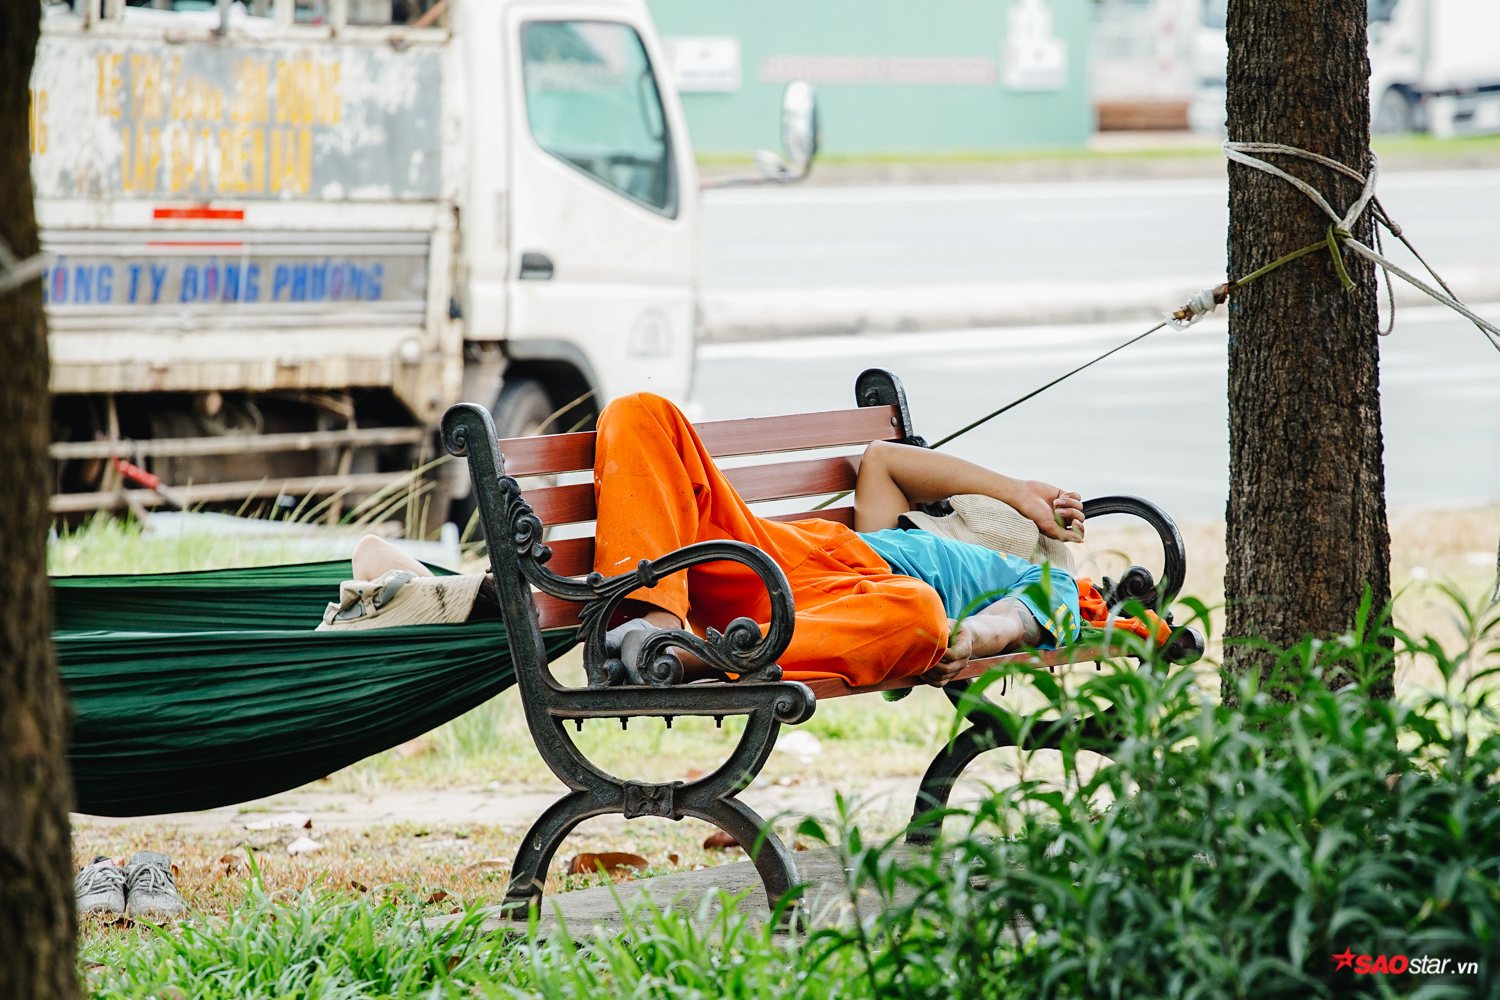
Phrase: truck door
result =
(603, 203)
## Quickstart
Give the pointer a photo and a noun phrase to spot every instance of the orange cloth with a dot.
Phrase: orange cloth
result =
(657, 489)
(1091, 606)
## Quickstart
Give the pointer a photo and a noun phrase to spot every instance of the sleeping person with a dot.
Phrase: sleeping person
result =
(872, 604)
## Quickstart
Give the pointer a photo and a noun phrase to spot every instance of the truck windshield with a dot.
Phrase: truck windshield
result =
(592, 102)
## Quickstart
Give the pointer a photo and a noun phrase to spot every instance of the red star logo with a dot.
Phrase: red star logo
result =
(1344, 961)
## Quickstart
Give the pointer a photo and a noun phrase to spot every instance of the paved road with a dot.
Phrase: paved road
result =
(765, 238)
(1150, 420)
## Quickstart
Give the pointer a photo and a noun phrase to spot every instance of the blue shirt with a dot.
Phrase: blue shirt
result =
(969, 578)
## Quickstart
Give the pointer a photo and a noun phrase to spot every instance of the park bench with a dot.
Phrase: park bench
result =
(550, 584)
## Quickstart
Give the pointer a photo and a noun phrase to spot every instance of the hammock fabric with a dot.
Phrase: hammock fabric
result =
(196, 690)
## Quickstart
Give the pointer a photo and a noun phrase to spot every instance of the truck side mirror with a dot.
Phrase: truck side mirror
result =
(799, 136)
(799, 124)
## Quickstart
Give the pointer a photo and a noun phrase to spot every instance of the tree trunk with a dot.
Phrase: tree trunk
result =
(37, 922)
(1306, 518)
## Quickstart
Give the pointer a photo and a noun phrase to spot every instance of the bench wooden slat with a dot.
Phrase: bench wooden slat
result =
(798, 431)
(778, 481)
(554, 612)
(572, 556)
(543, 456)
(562, 504)
(553, 453)
(839, 515)
(785, 480)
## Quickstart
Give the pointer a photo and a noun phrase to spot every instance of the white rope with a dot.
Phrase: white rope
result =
(1344, 225)
(1238, 151)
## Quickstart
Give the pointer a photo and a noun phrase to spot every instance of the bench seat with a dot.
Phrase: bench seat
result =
(547, 583)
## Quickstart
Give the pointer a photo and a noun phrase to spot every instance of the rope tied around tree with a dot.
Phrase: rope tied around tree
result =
(1338, 236)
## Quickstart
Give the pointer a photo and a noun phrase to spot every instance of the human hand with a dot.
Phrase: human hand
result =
(1058, 513)
(955, 657)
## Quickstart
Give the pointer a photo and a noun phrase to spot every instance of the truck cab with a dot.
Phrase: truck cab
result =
(282, 249)
(1434, 66)
(582, 254)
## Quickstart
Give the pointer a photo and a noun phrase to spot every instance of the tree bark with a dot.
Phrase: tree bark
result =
(1306, 517)
(37, 920)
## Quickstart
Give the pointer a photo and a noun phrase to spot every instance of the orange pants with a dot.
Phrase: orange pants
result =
(657, 489)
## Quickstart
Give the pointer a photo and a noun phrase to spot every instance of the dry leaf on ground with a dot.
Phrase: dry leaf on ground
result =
(611, 861)
(719, 841)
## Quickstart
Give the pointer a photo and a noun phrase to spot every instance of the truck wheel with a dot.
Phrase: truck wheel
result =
(519, 412)
(521, 408)
(1395, 113)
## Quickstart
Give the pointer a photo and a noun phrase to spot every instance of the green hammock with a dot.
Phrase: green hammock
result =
(196, 690)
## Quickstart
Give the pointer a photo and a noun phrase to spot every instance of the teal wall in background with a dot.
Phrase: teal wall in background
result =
(882, 118)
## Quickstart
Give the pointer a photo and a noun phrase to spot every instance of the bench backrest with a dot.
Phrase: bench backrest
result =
(785, 478)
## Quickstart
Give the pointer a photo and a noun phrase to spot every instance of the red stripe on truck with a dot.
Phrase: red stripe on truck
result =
(220, 214)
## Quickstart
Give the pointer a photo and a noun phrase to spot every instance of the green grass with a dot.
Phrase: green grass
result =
(1418, 143)
(105, 544)
(326, 944)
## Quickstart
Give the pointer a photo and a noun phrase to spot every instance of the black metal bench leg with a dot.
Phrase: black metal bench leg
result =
(944, 771)
(710, 798)
(773, 861)
(986, 733)
(529, 874)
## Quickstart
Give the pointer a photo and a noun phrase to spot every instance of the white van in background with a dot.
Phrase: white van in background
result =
(1434, 67)
(282, 249)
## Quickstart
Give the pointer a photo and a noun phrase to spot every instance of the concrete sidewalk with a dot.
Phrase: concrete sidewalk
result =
(825, 902)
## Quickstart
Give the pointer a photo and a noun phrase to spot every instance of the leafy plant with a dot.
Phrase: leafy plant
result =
(1223, 851)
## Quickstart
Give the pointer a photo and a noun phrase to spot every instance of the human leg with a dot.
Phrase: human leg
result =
(657, 489)
(1000, 628)
(374, 556)
(865, 629)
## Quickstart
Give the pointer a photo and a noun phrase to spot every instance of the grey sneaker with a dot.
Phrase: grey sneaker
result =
(150, 886)
(100, 887)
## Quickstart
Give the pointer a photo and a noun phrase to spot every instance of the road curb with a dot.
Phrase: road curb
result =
(733, 315)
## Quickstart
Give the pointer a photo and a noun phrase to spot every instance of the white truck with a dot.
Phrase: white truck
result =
(283, 249)
(1434, 67)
